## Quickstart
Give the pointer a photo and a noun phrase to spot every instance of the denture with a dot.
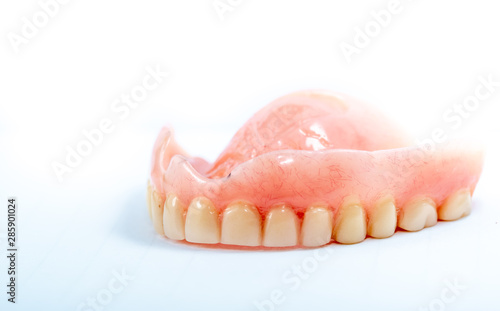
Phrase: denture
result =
(309, 169)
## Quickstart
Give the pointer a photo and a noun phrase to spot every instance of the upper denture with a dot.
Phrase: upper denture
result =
(314, 149)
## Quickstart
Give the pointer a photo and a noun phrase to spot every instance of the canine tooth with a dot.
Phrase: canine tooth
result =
(148, 199)
(456, 206)
(173, 218)
(157, 203)
(202, 222)
(419, 213)
(383, 219)
(241, 225)
(317, 226)
(281, 227)
(350, 226)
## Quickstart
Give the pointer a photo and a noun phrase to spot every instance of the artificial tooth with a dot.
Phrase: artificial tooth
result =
(350, 225)
(241, 225)
(419, 213)
(157, 203)
(281, 227)
(383, 219)
(202, 222)
(148, 199)
(456, 206)
(173, 218)
(317, 226)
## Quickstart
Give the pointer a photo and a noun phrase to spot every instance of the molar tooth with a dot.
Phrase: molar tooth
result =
(241, 225)
(383, 218)
(157, 203)
(419, 213)
(173, 218)
(350, 226)
(148, 199)
(317, 226)
(281, 227)
(202, 222)
(456, 206)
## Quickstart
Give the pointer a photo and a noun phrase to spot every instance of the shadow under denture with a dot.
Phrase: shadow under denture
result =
(243, 225)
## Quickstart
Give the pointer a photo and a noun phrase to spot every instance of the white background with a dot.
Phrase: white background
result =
(75, 234)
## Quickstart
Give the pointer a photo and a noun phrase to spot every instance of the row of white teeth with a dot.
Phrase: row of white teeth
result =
(240, 223)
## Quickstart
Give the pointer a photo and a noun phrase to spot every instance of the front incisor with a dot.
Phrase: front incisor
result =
(317, 226)
(281, 227)
(383, 219)
(157, 211)
(173, 218)
(148, 199)
(350, 225)
(456, 206)
(202, 222)
(241, 225)
(418, 214)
